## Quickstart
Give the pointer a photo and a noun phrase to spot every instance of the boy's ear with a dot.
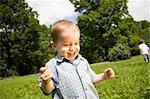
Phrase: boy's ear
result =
(53, 44)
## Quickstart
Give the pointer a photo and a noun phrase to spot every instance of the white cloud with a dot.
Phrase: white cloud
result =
(139, 9)
(51, 10)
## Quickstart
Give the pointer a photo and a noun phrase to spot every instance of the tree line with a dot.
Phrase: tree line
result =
(108, 33)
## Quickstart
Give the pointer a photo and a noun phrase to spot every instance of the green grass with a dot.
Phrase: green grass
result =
(131, 82)
(21, 88)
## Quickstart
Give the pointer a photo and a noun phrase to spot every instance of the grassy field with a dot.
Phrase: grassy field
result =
(131, 82)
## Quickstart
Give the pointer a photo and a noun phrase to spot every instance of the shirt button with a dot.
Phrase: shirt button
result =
(85, 89)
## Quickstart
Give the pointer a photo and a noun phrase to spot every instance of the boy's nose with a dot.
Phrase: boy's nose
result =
(72, 47)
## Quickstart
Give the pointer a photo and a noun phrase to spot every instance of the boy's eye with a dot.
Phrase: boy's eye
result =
(66, 45)
(76, 43)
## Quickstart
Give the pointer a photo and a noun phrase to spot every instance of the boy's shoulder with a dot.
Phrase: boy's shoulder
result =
(82, 58)
(52, 61)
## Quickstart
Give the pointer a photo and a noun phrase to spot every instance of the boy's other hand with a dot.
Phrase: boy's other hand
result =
(45, 73)
(109, 73)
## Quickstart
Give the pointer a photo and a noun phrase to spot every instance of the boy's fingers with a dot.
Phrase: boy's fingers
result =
(108, 72)
(111, 73)
(46, 66)
(42, 69)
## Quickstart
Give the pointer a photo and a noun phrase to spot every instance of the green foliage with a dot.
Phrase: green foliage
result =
(133, 44)
(131, 82)
(102, 22)
(140, 29)
(24, 42)
(144, 34)
(120, 51)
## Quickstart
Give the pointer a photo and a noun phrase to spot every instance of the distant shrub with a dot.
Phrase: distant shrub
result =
(133, 44)
(119, 52)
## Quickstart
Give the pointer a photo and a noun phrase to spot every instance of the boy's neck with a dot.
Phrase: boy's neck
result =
(61, 58)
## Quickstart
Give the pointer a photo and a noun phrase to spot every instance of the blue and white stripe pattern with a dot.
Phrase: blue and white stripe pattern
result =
(74, 78)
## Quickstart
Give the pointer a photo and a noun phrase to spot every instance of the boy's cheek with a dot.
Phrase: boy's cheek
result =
(64, 49)
(78, 47)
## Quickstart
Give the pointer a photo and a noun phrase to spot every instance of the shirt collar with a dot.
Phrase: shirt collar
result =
(61, 59)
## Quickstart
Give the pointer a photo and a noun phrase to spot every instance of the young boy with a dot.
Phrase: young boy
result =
(144, 49)
(68, 75)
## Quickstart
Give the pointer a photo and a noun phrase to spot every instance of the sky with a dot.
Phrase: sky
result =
(52, 10)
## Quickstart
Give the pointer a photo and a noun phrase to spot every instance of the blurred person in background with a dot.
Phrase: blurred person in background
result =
(144, 49)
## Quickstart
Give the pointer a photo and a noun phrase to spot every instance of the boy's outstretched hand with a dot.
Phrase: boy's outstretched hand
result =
(109, 73)
(45, 74)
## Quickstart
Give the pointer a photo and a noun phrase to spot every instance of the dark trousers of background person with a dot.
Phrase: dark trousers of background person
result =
(146, 57)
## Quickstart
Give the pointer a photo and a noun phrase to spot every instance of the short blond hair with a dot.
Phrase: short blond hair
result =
(60, 26)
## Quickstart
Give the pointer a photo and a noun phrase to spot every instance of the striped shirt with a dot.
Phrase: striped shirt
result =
(74, 78)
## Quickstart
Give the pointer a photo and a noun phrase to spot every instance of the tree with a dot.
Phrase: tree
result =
(144, 34)
(102, 24)
(23, 42)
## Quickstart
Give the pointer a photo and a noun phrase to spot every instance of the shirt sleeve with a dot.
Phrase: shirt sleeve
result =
(40, 84)
(90, 71)
(51, 67)
(147, 47)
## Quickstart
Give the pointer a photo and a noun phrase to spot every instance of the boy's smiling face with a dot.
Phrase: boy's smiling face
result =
(67, 44)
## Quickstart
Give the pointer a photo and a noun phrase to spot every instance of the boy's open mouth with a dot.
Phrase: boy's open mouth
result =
(71, 54)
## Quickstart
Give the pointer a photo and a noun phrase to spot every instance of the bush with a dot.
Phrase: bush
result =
(133, 44)
(119, 52)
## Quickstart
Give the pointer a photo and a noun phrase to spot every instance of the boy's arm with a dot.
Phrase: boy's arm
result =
(148, 50)
(47, 86)
(107, 74)
(47, 83)
(141, 51)
(98, 78)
